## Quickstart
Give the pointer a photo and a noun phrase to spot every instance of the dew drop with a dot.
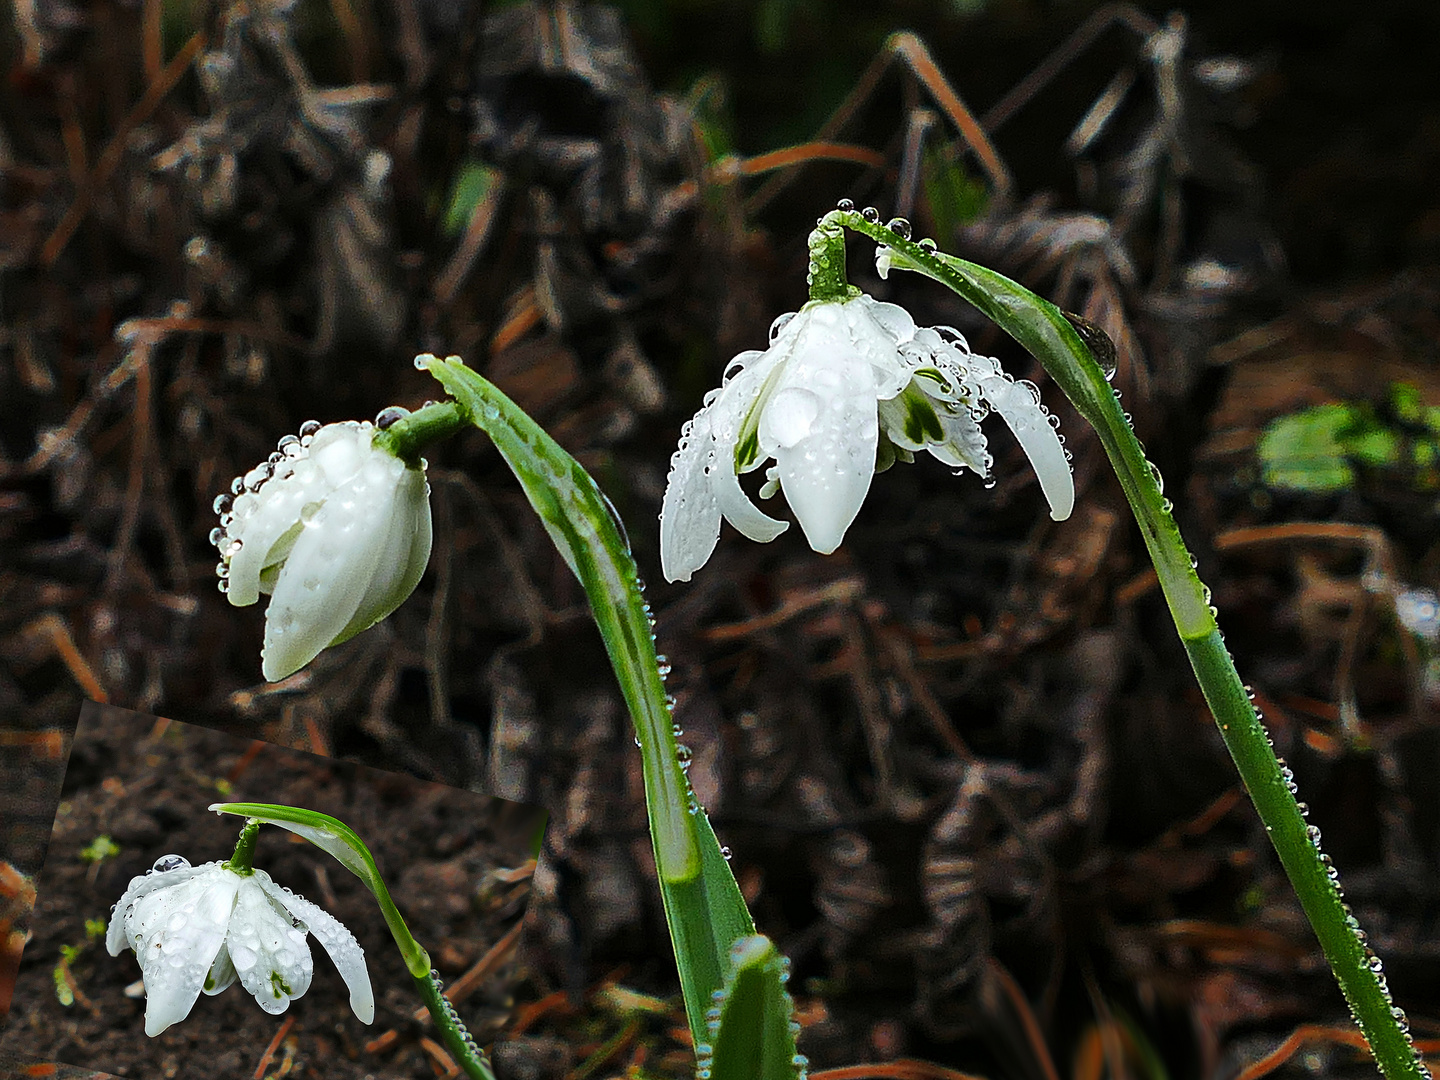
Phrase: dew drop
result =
(386, 417)
(223, 503)
(927, 244)
(237, 486)
(900, 227)
(309, 428)
(171, 862)
(871, 215)
(779, 324)
(845, 205)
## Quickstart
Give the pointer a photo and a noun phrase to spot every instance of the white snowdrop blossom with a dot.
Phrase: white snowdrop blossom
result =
(845, 388)
(197, 928)
(334, 528)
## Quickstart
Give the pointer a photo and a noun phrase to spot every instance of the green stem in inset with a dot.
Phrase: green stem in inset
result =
(1054, 339)
(242, 862)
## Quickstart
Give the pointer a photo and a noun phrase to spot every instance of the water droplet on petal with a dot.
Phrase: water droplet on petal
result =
(171, 862)
(386, 417)
(309, 427)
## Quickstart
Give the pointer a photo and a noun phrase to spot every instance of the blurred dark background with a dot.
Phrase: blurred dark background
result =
(969, 784)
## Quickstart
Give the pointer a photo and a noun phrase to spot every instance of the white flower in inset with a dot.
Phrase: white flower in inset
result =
(336, 529)
(199, 928)
(844, 389)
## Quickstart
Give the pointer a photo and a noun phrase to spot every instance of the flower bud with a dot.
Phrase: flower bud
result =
(334, 528)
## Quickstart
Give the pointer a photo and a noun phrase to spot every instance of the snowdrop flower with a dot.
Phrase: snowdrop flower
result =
(336, 529)
(845, 388)
(199, 928)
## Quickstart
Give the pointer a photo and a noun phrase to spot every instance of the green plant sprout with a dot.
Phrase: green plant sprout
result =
(334, 524)
(99, 849)
(1317, 451)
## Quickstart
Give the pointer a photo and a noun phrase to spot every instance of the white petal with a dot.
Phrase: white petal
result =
(176, 934)
(407, 553)
(690, 513)
(328, 573)
(1018, 405)
(221, 975)
(266, 523)
(116, 936)
(736, 402)
(826, 460)
(964, 443)
(270, 954)
(877, 331)
(336, 939)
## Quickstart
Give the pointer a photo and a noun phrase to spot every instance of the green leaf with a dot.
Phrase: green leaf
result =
(751, 1033)
(703, 905)
(1050, 336)
(954, 196)
(99, 849)
(473, 184)
(334, 837)
(1303, 452)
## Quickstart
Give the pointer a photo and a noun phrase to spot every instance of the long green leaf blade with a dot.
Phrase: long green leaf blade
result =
(751, 1034)
(703, 905)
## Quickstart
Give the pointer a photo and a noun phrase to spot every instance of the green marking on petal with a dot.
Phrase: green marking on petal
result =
(921, 424)
(747, 444)
(278, 985)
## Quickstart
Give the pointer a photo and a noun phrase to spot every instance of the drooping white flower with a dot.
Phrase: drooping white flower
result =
(844, 389)
(197, 928)
(337, 531)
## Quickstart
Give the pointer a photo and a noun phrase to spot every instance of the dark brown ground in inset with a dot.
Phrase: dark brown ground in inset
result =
(145, 783)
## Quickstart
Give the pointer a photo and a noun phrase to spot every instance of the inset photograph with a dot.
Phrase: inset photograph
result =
(217, 906)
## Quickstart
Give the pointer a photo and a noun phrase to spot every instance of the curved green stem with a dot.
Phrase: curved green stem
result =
(458, 1041)
(242, 862)
(1054, 339)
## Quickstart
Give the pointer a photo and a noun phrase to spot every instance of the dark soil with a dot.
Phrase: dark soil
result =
(145, 784)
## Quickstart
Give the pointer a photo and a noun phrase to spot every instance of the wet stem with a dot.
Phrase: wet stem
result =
(1047, 334)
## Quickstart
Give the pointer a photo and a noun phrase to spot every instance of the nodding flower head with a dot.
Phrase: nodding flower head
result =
(197, 928)
(845, 388)
(334, 528)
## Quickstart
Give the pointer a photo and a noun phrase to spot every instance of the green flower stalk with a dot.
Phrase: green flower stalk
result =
(1067, 347)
